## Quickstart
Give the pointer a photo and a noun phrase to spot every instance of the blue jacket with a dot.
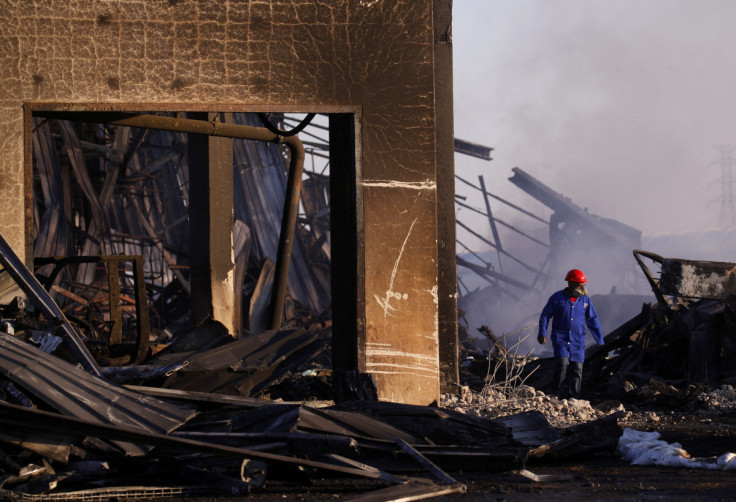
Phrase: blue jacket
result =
(568, 325)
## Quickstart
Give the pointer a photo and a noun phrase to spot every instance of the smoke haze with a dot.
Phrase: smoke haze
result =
(618, 105)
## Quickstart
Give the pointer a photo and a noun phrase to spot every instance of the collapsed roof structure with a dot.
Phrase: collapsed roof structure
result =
(573, 235)
(684, 338)
(181, 423)
(187, 421)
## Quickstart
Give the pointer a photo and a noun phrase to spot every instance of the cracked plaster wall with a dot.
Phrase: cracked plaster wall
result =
(376, 55)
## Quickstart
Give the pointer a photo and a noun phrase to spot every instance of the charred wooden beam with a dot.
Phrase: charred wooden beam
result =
(610, 230)
(497, 344)
(487, 272)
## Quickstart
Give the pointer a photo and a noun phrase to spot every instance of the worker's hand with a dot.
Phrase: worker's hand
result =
(541, 340)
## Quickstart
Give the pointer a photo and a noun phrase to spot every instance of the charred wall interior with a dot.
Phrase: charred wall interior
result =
(145, 184)
(284, 56)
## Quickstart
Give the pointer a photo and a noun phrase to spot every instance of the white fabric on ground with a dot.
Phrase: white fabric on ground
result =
(645, 448)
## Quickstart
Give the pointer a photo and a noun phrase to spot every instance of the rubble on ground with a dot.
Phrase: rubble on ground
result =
(66, 432)
(720, 401)
(566, 413)
(490, 403)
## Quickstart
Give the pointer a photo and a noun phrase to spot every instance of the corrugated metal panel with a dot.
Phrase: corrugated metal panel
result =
(78, 394)
(246, 366)
(260, 190)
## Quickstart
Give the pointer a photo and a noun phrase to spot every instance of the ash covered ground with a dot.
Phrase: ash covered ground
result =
(700, 421)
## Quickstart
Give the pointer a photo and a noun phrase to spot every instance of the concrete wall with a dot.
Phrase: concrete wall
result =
(373, 56)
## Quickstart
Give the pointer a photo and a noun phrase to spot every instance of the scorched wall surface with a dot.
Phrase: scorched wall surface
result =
(369, 57)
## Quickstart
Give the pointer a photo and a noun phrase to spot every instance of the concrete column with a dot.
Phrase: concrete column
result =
(211, 226)
(444, 148)
(398, 178)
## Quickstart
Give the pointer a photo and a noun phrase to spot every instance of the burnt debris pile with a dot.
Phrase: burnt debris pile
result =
(76, 433)
(690, 343)
(109, 390)
(188, 420)
(672, 351)
(688, 338)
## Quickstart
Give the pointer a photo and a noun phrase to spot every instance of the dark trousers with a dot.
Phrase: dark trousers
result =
(568, 377)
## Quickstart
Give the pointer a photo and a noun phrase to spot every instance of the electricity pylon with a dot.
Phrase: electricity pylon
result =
(727, 215)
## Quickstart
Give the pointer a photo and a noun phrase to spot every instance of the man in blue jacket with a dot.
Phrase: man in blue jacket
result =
(570, 310)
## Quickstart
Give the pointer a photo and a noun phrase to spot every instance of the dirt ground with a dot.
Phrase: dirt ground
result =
(602, 479)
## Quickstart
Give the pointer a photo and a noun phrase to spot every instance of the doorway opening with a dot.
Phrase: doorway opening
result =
(102, 189)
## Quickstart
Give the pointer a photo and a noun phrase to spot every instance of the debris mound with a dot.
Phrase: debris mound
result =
(560, 413)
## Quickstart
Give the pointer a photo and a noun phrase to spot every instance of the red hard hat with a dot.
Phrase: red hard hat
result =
(575, 275)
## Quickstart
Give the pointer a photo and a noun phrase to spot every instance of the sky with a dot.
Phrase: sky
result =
(617, 104)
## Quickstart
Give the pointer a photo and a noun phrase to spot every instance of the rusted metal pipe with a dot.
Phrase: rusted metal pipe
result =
(225, 130)
(288, 229)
